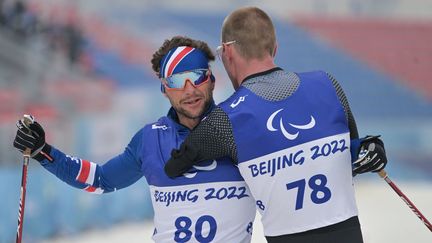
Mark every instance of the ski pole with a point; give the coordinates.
(383, 174)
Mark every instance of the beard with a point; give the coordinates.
(195, 114)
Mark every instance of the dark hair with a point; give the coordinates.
(177, 41)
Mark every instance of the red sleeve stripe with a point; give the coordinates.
(90, 189)
(47, 156)
(93, 189)
(84, 171)
(92, 172)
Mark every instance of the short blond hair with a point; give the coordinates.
(253, 31)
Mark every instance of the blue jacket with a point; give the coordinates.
(213, 193)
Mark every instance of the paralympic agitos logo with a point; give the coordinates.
(209, 167)
(286, 134)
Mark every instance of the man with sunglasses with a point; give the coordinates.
(290, 134)
(210, 202)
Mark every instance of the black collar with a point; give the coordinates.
(262, 73)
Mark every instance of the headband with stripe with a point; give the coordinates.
(181, 59)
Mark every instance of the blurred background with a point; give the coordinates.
(82, 68)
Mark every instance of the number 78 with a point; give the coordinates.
(317, 183)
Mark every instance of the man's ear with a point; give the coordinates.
(212, 85)
(162, 89)
(164, 94)
(228, 51)
(275, 50)
(212, 77)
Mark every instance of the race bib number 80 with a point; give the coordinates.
(184, 224)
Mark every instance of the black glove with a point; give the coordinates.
(371, 157)
(181, 160)
(31, 135)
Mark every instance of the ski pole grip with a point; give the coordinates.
(27, 120)
(382, 173)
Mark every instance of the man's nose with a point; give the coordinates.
(189, 86)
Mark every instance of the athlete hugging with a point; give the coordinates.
(209, 202)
